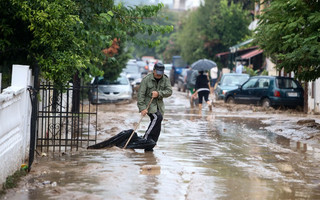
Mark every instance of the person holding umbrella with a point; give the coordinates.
(202, 89)
(202, 83)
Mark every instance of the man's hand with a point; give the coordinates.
(144, 112)
(155, 94)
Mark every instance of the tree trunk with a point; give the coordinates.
(75, 106)
(76, 94)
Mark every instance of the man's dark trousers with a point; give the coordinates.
(154, 128)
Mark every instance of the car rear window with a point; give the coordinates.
(131, 68)
(285, 83)
(122, 80)
(233, 80)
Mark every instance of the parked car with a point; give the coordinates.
(143, 68)
(132, 70)
(268, 91)
(151, 64)
(182, 84)
(229, 82)
(167, 69)
(106, 91)
(179, 64)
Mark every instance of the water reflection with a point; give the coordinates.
(200, 157)
(302, 147)
(285, 142)
(249, 162)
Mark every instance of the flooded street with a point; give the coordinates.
(199, 155)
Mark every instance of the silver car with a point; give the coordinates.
(132, 70)
(229, 81)
(106, 91)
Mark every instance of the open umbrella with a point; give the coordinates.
(203, 65)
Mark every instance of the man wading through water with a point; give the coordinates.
(155, 85)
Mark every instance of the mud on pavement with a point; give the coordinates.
(191, 162)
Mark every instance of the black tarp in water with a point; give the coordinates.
(121, 139)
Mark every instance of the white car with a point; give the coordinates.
(106, 91)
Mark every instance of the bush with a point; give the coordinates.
(252, 72)
(6, 78)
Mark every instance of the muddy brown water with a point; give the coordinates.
(201, 155)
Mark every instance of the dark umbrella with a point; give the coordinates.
(203, 65)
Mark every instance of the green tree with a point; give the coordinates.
(166, 18)
(50, 30)
(246, 4)
(289, 31)
(67, 36)
(211, 29)
(190, 37)
(168, 48)
(113, 66)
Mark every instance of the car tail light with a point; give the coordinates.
(276, 93)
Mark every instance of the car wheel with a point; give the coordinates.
(299, 108)
(266, 103)
(230, 100)
(94, 103)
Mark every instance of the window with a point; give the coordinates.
(233, 80)
(131, 68)
(227, 80)
(122, 80)
(250, 84)
(286, 83)
(263, 83)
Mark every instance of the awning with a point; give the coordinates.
(222, 54)
(238, 52)
(251, 54)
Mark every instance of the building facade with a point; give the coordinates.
(186, 4)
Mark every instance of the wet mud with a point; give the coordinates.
(230, 153)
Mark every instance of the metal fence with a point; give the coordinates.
(65, 120)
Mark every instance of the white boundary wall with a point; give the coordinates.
(15, 116)
(314, 103)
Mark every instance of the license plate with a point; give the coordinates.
(292, 94)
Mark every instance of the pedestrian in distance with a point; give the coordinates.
(203, 89)
(172, 76)
(213, 77)
(191, 83)
(156, 86)
(239, 68)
